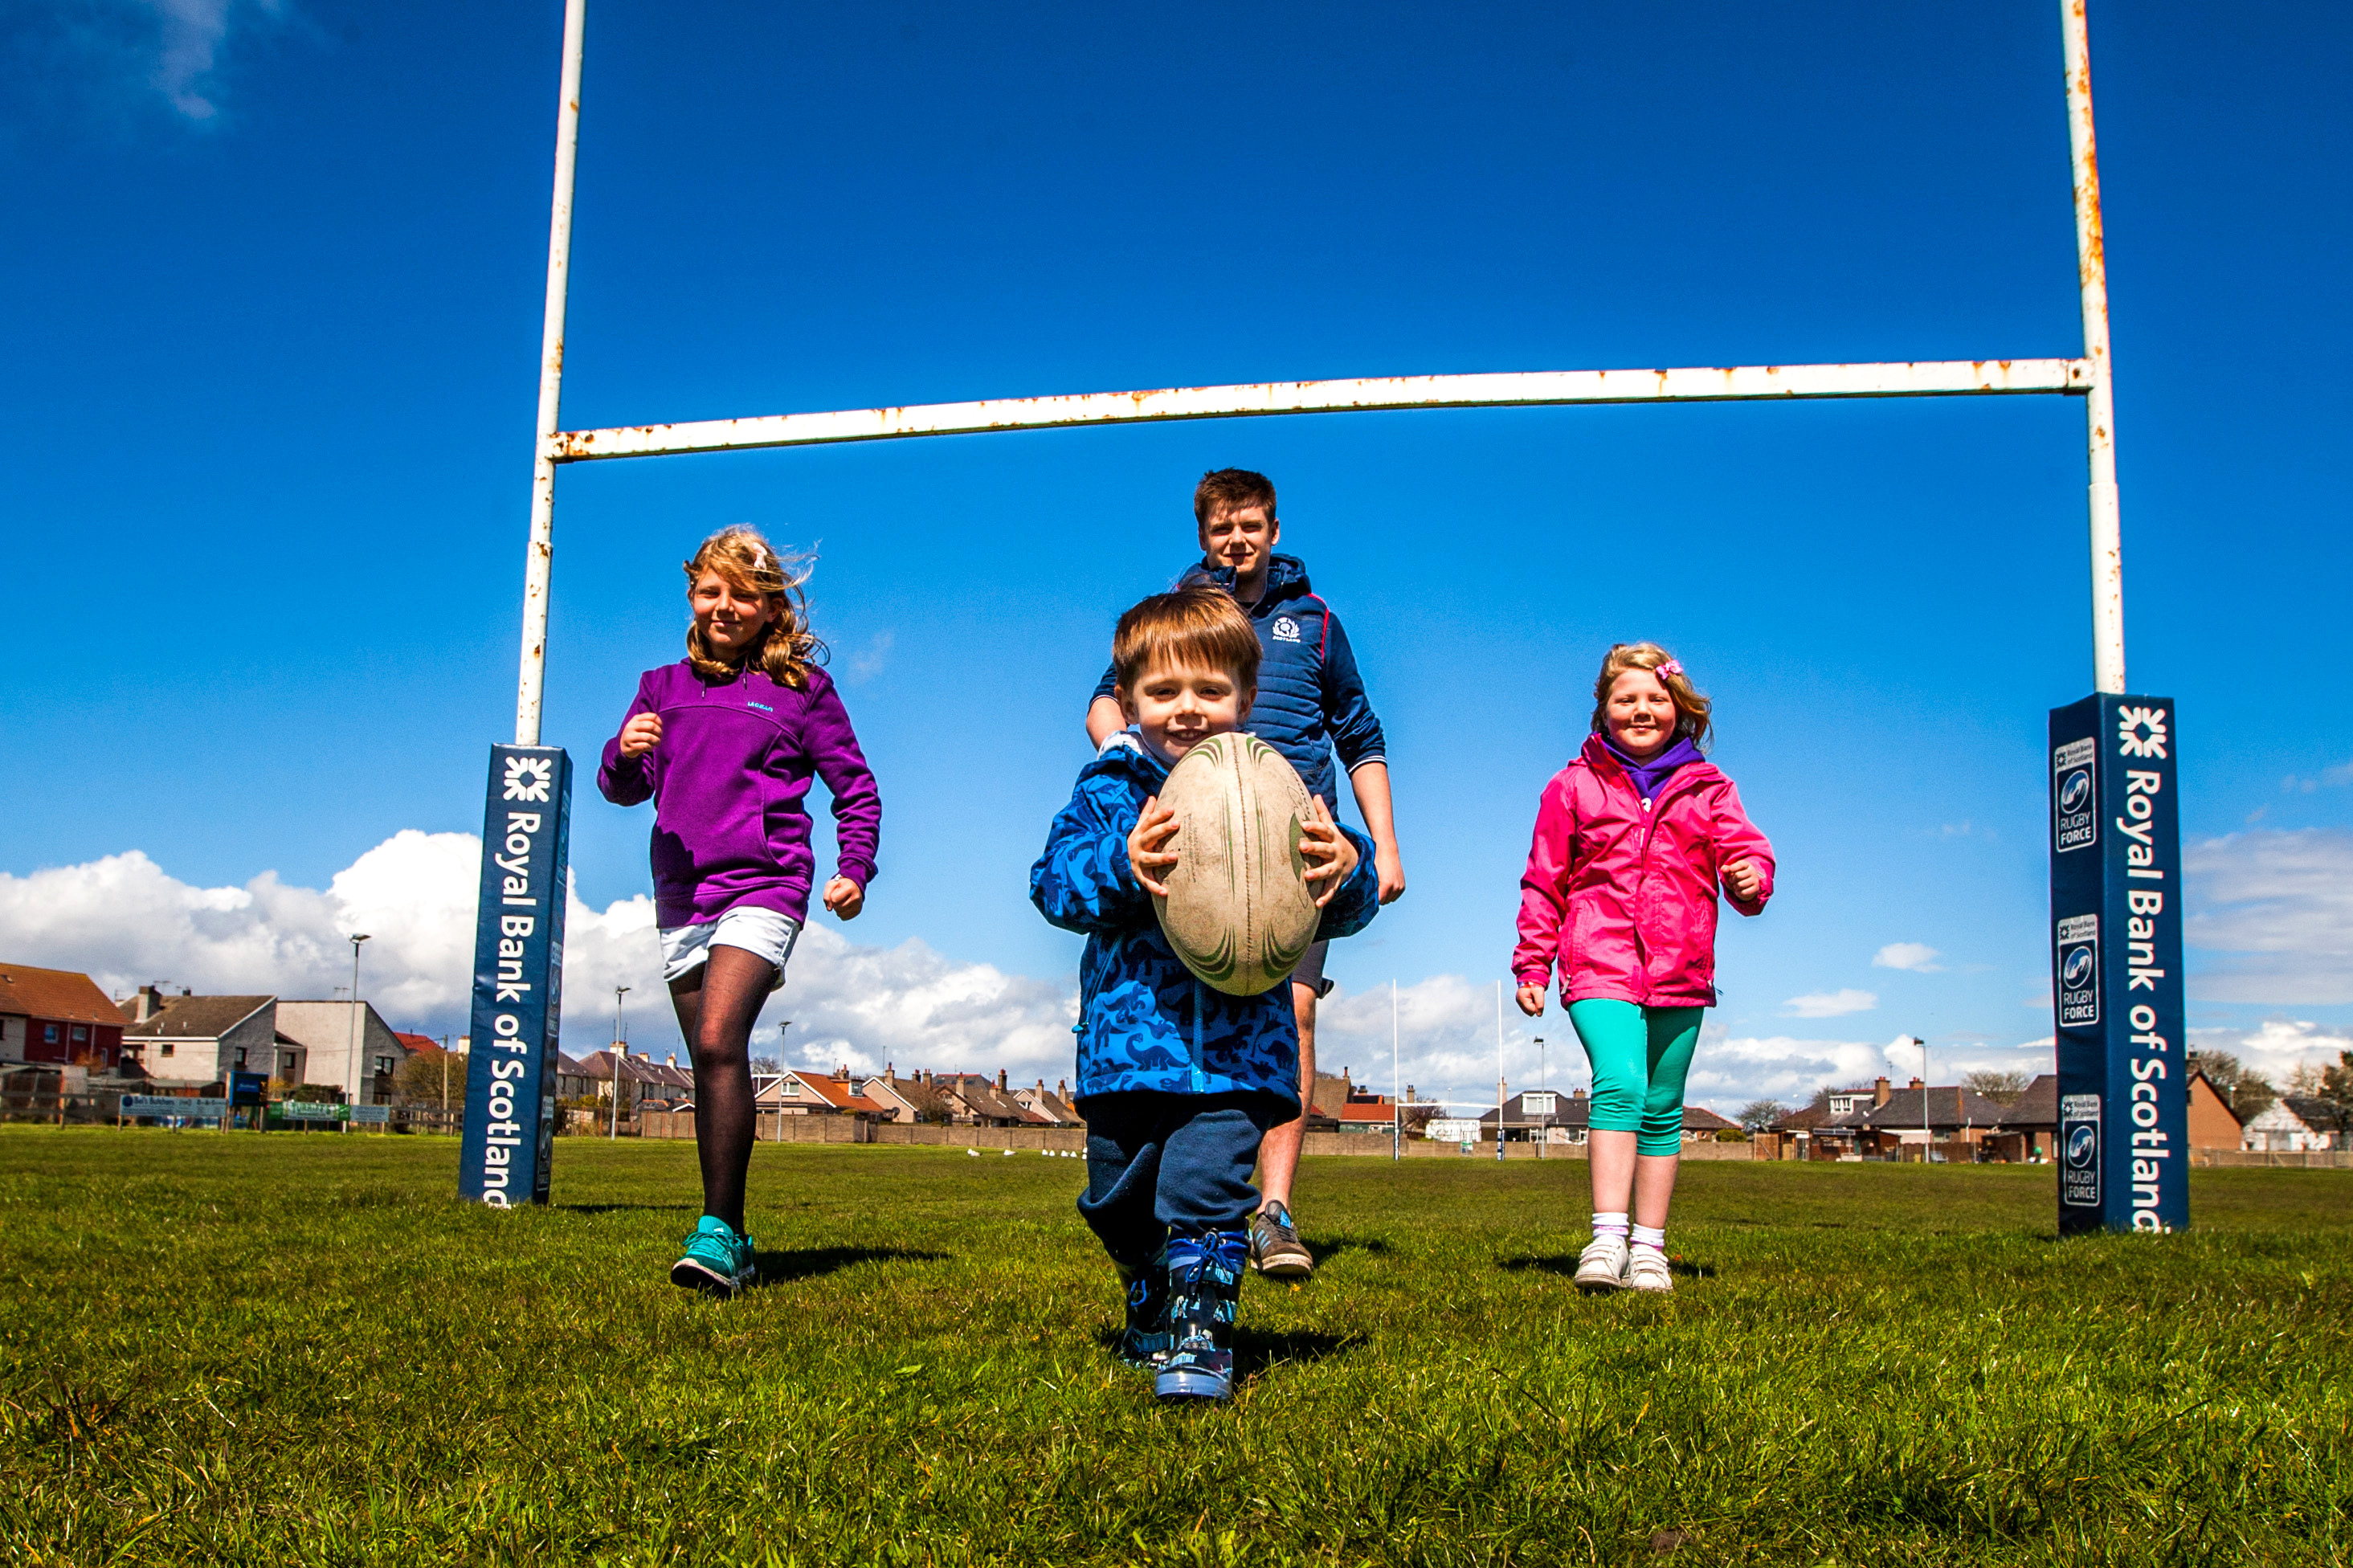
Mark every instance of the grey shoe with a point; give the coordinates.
(1275, 1249)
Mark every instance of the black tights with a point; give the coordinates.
(717, 1005)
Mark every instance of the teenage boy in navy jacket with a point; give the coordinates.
(1311, 702)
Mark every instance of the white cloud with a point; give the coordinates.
(2279, 905)
(1728, 1073)
(191, 31)
(1830, 1003)
(1917, 957)
(126, 921)
(170, 48)
(871, 660)
(2278, 1046)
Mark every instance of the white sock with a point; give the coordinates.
(1654, 1237)
(1609, 1225)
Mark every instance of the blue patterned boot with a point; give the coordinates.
(1205, 1286)
(1144, 1341)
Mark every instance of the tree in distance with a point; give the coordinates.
(420, 1079)
(1759, 1114)
(2246, 1091)
(2002, 1088)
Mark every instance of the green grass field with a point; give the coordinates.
(248, 1349)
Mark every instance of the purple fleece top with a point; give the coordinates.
(729, 778)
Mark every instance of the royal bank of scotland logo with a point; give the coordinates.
(528, 778)
(2141, 731)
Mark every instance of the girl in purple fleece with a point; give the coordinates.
(726, 741)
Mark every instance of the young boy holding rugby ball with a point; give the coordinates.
(1179, 1082)
(1311, 704)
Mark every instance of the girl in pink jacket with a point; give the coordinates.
(1632, 840)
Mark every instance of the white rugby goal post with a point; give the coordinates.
(2085, 375)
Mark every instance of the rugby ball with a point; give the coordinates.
(1239, 912)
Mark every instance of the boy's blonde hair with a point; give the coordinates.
(748, 563)
(1692, 721)
(1200, 626)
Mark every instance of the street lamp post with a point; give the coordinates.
(783, 1029)
(618, 1051)
(1499, 1072)
(1927, 1138)
(1542, 1134)
(354, 1074)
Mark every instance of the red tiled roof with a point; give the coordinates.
(417, 1042)
(1367, 1110)
(837, 1094)
(55, 994)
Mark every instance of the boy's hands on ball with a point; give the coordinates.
(1330, 854)
(1742, 880)
(1148, 855)
(638, 736)
(844, 898)
(1530, 1000)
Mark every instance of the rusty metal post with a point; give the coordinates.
(2099, 400)
(533, 679)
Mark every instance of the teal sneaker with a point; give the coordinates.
(715, 1260)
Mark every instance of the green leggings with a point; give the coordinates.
(1640, 1057)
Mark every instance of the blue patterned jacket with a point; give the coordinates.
(1144, 1021)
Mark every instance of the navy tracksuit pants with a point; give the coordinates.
(1158, 1164)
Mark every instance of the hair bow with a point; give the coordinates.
(1672, 668)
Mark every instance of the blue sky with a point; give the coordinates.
(276, 276)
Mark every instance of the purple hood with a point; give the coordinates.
(729, 779)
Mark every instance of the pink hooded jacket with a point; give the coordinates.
(1622, 896)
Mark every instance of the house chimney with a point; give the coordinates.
(147, 1004)
(841, 1073)
(1880, 1092)
(1000, 1081)
(1914, 1084)
(673, 1059)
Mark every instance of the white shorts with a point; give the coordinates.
(686, 949)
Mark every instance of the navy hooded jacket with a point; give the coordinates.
(1310, 696)
(1145, 1023)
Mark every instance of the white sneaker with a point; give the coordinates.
(1647, 1270)
(1599, 1266)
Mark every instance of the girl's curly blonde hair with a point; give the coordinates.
(748, 563)
(1692, 721)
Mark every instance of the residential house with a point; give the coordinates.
(57, 1016)
(2212, 1123)
(344, 1046)
(826, 1094)
(194, 1042)
(976, 1101)
(575, 1081)
(1915, 1116)
(645, 1083)
(907, 1100)
(2028, 1133)
(1051, 1107)
(2296, 1125)
(1533, 1113)
(1702, 1125)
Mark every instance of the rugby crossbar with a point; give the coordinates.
(2087, 377)
(1536, 389)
